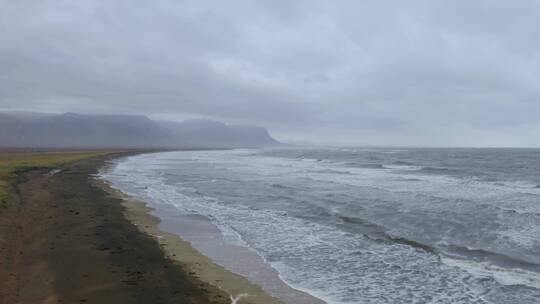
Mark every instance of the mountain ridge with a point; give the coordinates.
(72, 130)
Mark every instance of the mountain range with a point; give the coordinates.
(71, 130)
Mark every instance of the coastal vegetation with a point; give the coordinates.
(16, 161)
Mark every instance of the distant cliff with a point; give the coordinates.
(209, 133)
(70, 130)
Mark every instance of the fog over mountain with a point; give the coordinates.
(209, 133)
(421, 73)
(70, 130)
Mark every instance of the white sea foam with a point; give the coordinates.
(505, 276)
(338, 266)
(402, 167)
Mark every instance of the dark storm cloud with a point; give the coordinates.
(381, 72)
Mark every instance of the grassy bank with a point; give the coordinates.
(13, 162)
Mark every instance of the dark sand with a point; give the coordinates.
(63, 239)
(199, 265)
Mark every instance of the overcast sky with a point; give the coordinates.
(435, 73)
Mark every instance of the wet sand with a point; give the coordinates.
(245, 271)
(198, 265)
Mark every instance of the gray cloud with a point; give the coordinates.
(379, 72)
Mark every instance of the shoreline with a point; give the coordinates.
(194, 241)
(240, 289)
(94, 244)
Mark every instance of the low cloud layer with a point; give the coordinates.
(451, 73)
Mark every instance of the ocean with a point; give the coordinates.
(364, 225)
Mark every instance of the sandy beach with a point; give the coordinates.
(66, 240)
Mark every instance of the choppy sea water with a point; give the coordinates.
(376, 225)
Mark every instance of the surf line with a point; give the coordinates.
(234, 300)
